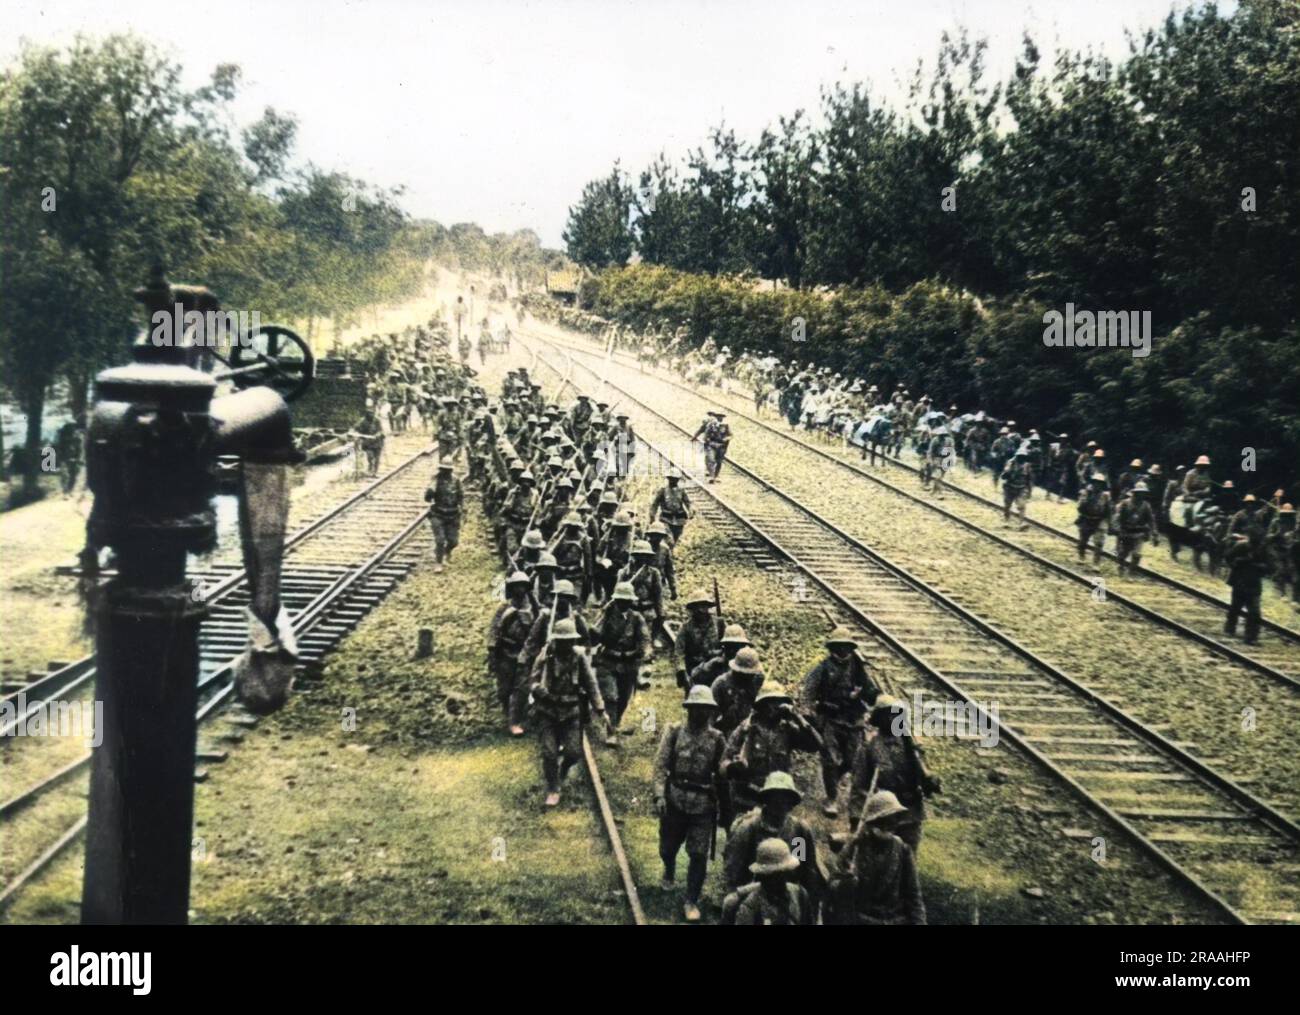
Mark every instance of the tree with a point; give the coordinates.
(599, 232)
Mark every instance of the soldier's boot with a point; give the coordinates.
(696, 872)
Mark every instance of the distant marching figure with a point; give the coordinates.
(446, 503)
(717, 437)
(672, 505)
(370, 436)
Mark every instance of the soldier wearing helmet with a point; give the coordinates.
(732, 641)
(771, 899)
(662, 544)
(1017, 486)
(890, 759)
(875, 882)
(773, 817)
(1136, 523)
(613, 552)
(517, 514)
(672, 505)
(697, 637)
(1197, 484)
(643, 575)
(1093, 517)
(623, 645)
(506, 636)
(837, 693)
(1249, 520)
(446, 501)
(764, 743)
(563, 682)
(563, 602)
(686, 775)
(572, 552)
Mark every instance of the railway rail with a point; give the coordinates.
(1188, 611)
(1198, 824)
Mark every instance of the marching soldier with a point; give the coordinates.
(369, 433)
(1197, 484)
(734, 692)
(733, 640)
(506, 637)
(687, 770)
(647, 583)
(771, 899)
(449, 435)
(717, 438)
(564, 605)
(562, 681)
(875, 883)
(697, 638)
(1280, 545)
(1136, 524)
(1249, 520)
(1246, 576)
(446, 504)
(773, 817)
(1017, 484)
(662, 544)
(69, 448)
(573, 555)
(1093, 518)
(517, 514)
(672, 505)
(763, 744)
(623, 439)
(837, 693)
(890, 759)
(622, 645)
(613, 552)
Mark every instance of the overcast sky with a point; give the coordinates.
(497, 111)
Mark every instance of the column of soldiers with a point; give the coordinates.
(582, 616)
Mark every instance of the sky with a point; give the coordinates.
(498, 111)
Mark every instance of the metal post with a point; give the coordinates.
(149, 467)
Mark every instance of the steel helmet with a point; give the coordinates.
(746, 661)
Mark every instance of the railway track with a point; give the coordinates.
(337, 569)
(1177, 606)
(1230, 847)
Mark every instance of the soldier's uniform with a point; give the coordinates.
(875, 882)
(516, 512)
(1246, 576)
(686, 773)
(537, 634)
(836, 694)
(1017, 484)
(717, 438)
(895, 763)
(647, 583)
(1280, 545)
(506, 637)
(662, 544)
(1136, 524)
(573, 556)
(449, 437)
(763, 744)
(672, 504)
(697, 638)
(560, 685)
(753, 828)
(1093, 517)
(371, 438)
(446, 503)
(622, 644)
